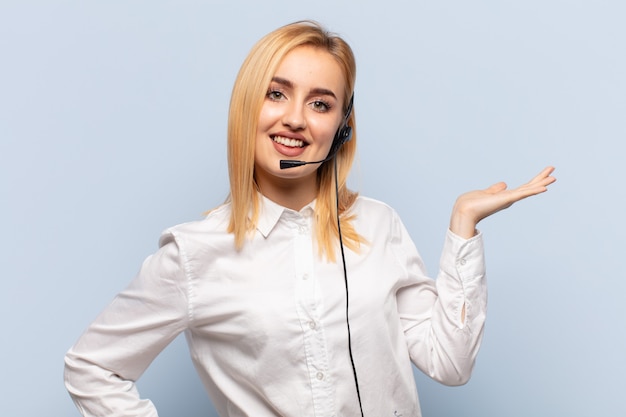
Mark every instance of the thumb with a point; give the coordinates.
(496, 188)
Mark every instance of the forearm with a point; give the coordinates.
(99, 392)
(446, 345)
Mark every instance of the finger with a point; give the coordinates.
(538, 184)
(496, 188)
(543, 175)
(528, 190)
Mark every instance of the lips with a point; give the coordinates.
(292, 143)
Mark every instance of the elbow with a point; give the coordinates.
(453, 376)
(456, 380)
(71, 377)
(453, 367)
(71, 372)
(79, 376)
(452, 363)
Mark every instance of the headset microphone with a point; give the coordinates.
(343, 135)
(292, 163)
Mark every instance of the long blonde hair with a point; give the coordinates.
(247, 98)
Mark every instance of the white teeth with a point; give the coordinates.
(293, 143)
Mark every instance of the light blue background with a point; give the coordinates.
(112, 127)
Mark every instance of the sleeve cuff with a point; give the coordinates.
(466, 256)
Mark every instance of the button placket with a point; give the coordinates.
(308, 303)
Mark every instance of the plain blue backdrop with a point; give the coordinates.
(112, 128)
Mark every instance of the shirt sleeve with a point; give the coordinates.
(443, 319)
(102, 367)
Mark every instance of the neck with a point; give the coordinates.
(291, 194)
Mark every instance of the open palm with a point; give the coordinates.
(472, 207)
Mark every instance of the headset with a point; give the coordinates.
(343, 135)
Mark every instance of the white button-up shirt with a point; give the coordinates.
(266, 325)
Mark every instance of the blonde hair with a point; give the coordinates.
(247, 99)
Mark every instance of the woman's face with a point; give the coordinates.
(300, 115)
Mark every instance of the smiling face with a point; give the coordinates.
(299, 117)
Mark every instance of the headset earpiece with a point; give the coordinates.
(344, 133)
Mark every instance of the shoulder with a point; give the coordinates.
(373, 216)
(372, 207)
(203, 231)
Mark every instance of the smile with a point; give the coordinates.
(292, 143)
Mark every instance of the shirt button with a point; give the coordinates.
(462, 261)
(319, 376)
(305, 276)
(312, 325)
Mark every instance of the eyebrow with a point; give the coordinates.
(318, 90)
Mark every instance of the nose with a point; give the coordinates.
(294, 116)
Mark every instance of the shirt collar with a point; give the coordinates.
(270, 213)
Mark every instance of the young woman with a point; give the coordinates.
(288, 312)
